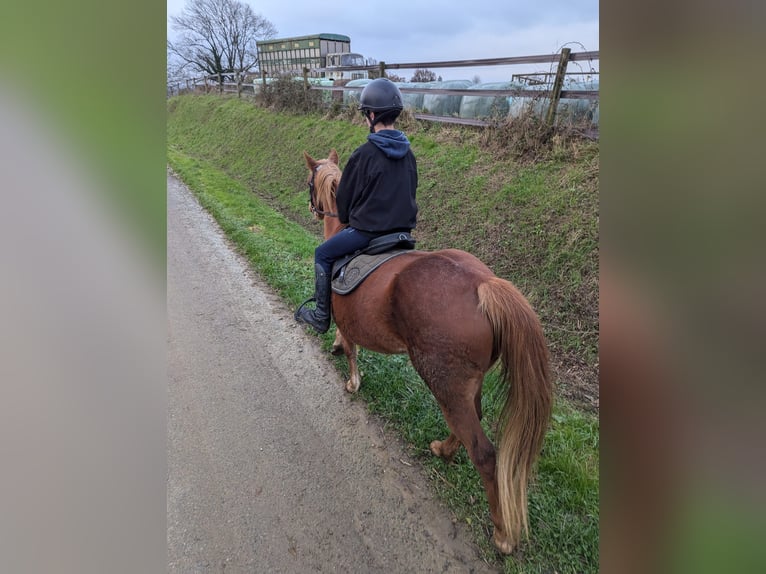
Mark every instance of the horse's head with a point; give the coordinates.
(323, 179)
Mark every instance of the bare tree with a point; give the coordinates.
(217, 38)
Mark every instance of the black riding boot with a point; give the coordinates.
(319, 318)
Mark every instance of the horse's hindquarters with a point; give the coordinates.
(420, 301)
(436, 304)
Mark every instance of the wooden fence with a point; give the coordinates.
(553, 94)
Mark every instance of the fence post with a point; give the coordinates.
(558, 83)
(337, 95)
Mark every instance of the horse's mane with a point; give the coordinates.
(326, 179)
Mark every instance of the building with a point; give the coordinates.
(289, 56)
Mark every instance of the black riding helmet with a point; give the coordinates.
(382, 97)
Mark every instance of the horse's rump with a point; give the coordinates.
(421, 302)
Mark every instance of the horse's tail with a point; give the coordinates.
(521, 347)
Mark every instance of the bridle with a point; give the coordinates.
(312, 195)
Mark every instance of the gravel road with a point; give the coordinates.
(272, 467)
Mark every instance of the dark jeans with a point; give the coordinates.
(340, 244)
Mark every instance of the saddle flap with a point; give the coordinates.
(349, 274)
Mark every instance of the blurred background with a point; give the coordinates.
(82, 294)
(682, 287)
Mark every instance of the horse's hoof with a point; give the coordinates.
(502, 543)
(436, 447)
(350, 387)
(337, 350)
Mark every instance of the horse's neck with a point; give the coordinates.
(332, 226)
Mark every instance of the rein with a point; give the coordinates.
(312, 195)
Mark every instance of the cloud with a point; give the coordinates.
(406, 31)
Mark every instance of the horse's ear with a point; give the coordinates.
(333, 156)
(310, 161)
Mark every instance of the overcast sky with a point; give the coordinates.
(398, 31)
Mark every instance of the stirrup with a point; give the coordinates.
(298, 310)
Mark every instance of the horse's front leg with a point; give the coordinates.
(337, 345)
(355, 379)
(342, 346)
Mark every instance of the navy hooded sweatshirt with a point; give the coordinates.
(377, 191)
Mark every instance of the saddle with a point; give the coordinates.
(349, 271)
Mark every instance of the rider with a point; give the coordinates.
(376, 194)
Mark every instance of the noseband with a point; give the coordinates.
(312, 195)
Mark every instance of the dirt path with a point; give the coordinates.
(271, 466)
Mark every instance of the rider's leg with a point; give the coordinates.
(344, 242)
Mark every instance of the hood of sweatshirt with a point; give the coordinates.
(393, 143)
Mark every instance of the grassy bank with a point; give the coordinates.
(245, 165)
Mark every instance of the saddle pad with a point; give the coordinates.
(354, 272)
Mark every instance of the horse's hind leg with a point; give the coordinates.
(463, 413)
(466, 426)
(446, 449)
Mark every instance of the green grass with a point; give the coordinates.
(245, 165)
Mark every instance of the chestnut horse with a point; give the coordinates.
(455, 319)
